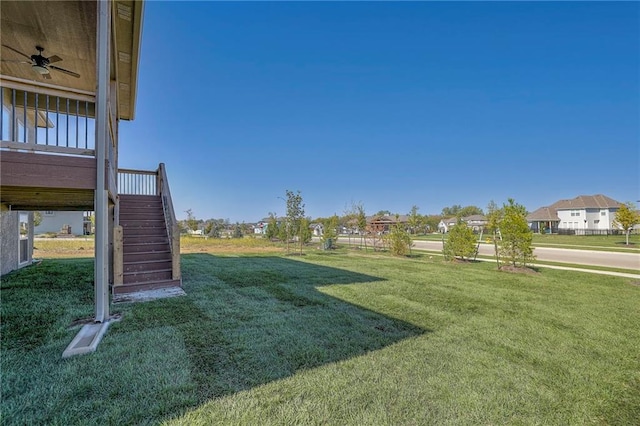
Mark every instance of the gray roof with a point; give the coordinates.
(543, 214)
(597, 201)
(550, 213)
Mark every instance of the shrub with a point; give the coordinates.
(461, 242)
(399, 241)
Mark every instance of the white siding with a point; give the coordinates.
(57, 220)
(566, 220)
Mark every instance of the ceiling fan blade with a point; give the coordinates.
(54, 58)
(71, 73)
(15, 61)
(46, 76)
(17, 51)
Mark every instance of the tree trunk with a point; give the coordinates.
(495, 247)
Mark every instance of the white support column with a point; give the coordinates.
(102, 141)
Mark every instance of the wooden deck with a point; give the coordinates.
(32, 181)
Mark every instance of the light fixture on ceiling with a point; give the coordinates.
(40, 69)
(40, 64)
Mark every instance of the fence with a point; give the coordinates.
(590, 232)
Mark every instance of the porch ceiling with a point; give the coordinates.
(68, 29)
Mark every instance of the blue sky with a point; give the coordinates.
(391, 104)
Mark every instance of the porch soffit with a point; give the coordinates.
(68, 29)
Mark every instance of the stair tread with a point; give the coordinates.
(151, 252)
(140, 262)
(149, 282)
(133, 287)
(147, 272)
(144, 244)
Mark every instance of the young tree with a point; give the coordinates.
(214, 228)
(283, 232)
(516, 243)
(329, 234)
(626, 218)
(304, 234)
(494, 216)
(295, 214)
(432, 221)
(237, 231)
(272, 227)
(192, 222)
(399, 240)
(361, 222)
(415, 219)
(461, 242)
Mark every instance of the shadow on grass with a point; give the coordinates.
(247, 321)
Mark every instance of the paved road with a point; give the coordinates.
(548, 254)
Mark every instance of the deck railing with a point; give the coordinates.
(170, 218)
(47, 122)
(137, 182)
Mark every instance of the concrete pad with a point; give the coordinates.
(87, 340)
(148, 295)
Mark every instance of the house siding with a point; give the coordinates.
(590, 218)
(9, 241)
(58, 219)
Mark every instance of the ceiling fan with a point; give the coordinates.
(40, 64)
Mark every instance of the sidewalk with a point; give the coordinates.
(570, 268)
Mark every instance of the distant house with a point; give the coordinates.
(317, 229)
(477, 222)
(384, 222)
(445, 224)
(260, 228)
(585, 214)
(17, 240)
(72, 222)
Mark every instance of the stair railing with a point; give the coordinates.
(162, 186)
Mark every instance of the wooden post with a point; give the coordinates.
(118, 257)
(175, 253)
(159, 174)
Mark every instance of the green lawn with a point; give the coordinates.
(329, 338)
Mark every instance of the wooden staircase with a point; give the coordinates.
(146, 250)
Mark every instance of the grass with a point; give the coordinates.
(63, 248)
(340, 337)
